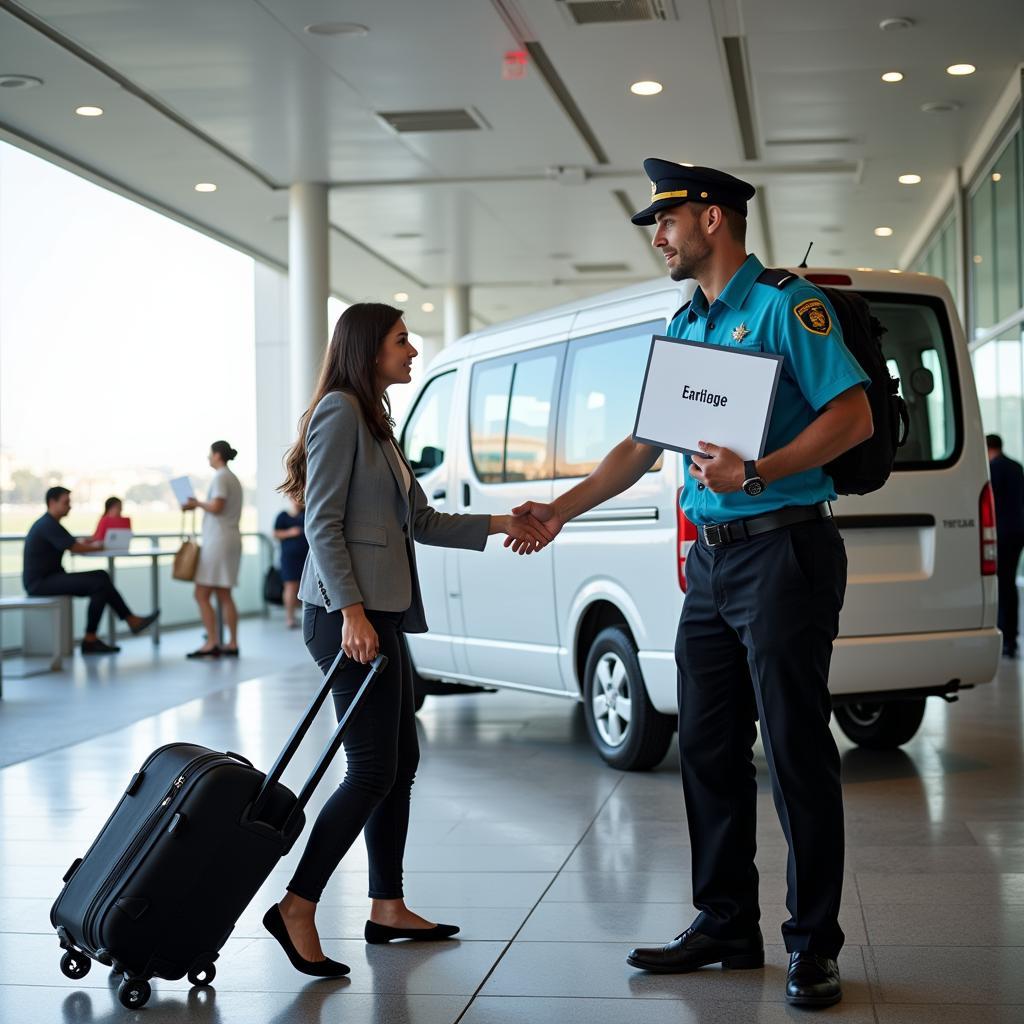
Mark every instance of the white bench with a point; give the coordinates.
(59, 612)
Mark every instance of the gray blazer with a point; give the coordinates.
(361, 521)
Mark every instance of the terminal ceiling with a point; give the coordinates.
(529, 207)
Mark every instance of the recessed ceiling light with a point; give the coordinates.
(893, 270)
(910, 179)
(892, 76)
(883, 232)
(646, 88)
(977, 259)
(940, 107)
(206, 186)
(401, 296)
(89, 111)
(337, 28)
(997, 176)
(865, 269)
(895, 24)
(961, 69)
(427, 307)
(12, 82)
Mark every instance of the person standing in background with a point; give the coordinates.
(1007, 477)
(289, 529)
(220, 553)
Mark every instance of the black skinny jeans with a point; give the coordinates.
(382, 750)
(96, 585)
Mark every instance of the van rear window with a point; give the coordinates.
(918, 347)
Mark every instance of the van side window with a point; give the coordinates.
(510, 416)
(603, 378)
(918, 349)
(528, 449)
(425, 436)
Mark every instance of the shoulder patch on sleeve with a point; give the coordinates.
(814, 317)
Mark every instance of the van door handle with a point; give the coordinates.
(440, 494)
(465, 495)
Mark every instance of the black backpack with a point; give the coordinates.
(866, 466)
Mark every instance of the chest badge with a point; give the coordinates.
(739, 333)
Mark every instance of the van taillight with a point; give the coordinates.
(686, 534)
(829, 279)
(987, 530)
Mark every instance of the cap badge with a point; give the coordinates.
(739, 333)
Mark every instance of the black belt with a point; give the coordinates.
(716, 535)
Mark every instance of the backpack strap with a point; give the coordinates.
(682, 309)
(775, 278)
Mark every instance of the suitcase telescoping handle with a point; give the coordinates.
(299, 733)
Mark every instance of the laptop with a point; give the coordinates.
(117, 540)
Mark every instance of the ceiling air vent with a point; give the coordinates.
(601, 268)
(611, 12)
(431, 120)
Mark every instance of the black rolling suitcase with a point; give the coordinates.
(192, 839)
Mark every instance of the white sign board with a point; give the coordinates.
(695, 392)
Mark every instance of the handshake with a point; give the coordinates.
(531, 527)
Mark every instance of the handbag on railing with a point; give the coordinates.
(186, 560)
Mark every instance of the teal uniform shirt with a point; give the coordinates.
(797, 322)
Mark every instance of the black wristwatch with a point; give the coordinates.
(753, 485)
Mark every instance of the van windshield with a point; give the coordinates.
(918, 346)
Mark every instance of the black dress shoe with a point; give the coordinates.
(813, 980)
(147, 621)
(213, 652)
(693, 949)
(98, 647)
(377, 934)
(326, 968)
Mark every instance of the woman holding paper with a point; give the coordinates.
(220, 553)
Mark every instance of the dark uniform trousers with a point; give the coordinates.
(754, 643)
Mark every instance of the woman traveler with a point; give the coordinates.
(289, 530)
(220, 553)
(359, 585)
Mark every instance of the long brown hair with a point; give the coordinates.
(348, 366)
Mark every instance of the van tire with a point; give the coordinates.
(613, 670)
(881, 726)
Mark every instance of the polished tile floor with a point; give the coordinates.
(552, 863)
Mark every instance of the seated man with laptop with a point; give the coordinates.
(44, 576)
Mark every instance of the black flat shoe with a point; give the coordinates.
(213, 652)
(812, 980)
(147, 621)
(325, 968)
(229, 652)
(693, 949)
(98, 647)
(377, 934)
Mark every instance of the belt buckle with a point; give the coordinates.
(714, 535)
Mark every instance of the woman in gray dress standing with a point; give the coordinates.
(220, 553)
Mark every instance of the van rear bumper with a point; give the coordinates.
(872, 664)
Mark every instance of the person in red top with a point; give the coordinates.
(112, 517)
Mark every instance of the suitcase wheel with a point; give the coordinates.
(134, 992)
(74, 964)
(203, 975)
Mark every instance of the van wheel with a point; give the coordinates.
(628, 733)
(881, 726)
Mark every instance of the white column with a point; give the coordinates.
(275, 425)
(307, 288)
(456, 312)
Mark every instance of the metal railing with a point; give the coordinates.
(138, 583)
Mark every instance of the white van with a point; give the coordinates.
(524, 410)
